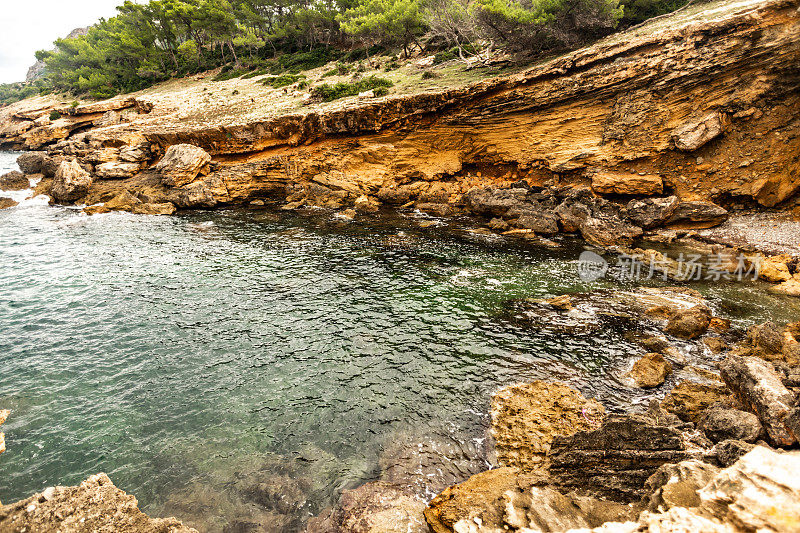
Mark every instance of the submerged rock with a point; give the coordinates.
(650, 371)
(526, 418)
(94, 505)
(377, 507)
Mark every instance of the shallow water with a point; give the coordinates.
(173, 352)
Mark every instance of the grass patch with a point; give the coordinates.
(327, 92)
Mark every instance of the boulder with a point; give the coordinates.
(476, 498)
(694, 134)
(689, 323)
(182, 164)
(526, 418)
(652, 212)
(727, 452)
(571, 216)
(688, 399)
(759, 388)
(606, 232)
(31, 162)
(70, 183)
(719, 424)
(366, 204)
(766, 340)
(50, 165)
(117, 170)
(650, 371)
(607, 182)
(775, 269)
(376, 507)
(615, 461)
(676, 485)
(697, 215)
(494, 202)
(760, 492)
(538, 220)
(14, 181)
(94, 505)
(5, 203)
(138, 153)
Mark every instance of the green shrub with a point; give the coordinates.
(229, 73)
(282, 81)
(327, 92)
(380, 91)
(429, 75)
(55, 115)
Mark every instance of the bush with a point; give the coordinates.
(282, 81)
(327, 92)
(55, 115)
(429, 75)
(380, 91)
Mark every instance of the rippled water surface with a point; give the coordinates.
(171, 352)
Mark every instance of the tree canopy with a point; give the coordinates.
(154, 41)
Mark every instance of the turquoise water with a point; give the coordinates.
(175, 352)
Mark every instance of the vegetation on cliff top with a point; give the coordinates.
(148, 43)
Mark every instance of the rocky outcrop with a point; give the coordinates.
(720, 424)
(627, 183)
(181, 164)
(527, 417)
(14, 181)
(614, 461)
(70, 183)
(670, 106)
(94, 505)
(5, 203)
(757, 386)
(758, 493)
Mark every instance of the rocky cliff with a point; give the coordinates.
(700, 105)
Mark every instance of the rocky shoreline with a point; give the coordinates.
(656, 138)
(714, 455)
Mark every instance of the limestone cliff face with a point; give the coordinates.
(702, 105)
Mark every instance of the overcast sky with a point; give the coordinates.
(30, 25)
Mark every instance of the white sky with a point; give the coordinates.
(30, 25)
